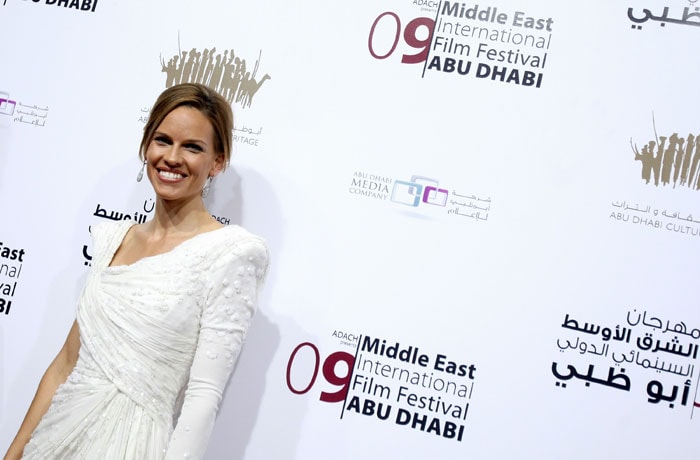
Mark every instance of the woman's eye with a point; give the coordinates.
(161, 140)
(194, 148)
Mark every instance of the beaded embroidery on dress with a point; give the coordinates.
(165, 324)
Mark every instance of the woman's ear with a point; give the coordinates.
(218, 165)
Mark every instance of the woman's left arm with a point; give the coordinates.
(226, 316)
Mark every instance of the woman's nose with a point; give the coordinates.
(172, 156)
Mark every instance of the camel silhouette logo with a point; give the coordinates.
(671, 160)
(227, 72)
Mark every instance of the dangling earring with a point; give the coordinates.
(143, 168)
(207, 187)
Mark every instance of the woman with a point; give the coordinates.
(164, 310)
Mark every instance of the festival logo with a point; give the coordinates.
(420, 192)
(661, 355)
(22, 112)
(387, 382)
(77, 5)
(479, 42)
(689, 17)
(11, 260)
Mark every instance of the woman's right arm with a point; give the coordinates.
(55, 375)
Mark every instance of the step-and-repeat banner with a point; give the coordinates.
(483, 216)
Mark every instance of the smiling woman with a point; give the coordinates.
(164, 311)
(181, 157)
(214, 107)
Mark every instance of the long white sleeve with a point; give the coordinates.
(226, 315)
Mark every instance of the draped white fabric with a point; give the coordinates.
(159, 338)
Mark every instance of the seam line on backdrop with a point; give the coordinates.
(352, 372)
(695, 398)
(432, 35)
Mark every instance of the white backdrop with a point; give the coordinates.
(502, 229)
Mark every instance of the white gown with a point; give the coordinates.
(158, 341)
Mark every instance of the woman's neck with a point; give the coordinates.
(177, 218)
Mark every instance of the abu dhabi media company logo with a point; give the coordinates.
(422, 193)
(19, 111)
(7, 105)
(419, 189)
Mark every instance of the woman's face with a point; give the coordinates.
(181, 155)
